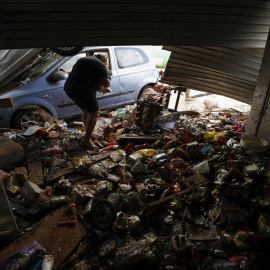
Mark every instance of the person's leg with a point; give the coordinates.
(89, 127)
(84, 116)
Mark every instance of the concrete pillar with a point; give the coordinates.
(259, 119)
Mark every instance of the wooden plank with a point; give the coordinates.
(258, 122)
(58, 241)
(6, 102)
(192, 181)
(11, 152)
(177, 100)
(61, 172)
(34, 166)
(139, 138)
(195, 181)
(35, 172)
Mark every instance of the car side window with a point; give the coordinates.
(130, 57)
(68, 65)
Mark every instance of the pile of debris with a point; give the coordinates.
(185, 191)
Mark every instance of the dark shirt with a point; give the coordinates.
(85, 74)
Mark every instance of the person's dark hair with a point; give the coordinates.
(102, 57)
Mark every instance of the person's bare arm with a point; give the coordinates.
(105, 83)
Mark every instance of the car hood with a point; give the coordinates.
(21, 91)
(12, 60)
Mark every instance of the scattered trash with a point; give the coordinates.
(180, 190)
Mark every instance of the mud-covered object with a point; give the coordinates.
(98, 170)
(82, 193)
(25, 257)
(63, 186)
(103, 215)
(117, 156)
(107, 248)
(133, 222)
(137, 167)
(114, 178)
(117, 200)
(224, 265)
(124, 188)
(133, 202)
(198, 233)
(179, 243)
(134, 255)
(120, 223)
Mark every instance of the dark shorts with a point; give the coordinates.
(86, 100)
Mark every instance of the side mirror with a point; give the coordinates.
(59, 76)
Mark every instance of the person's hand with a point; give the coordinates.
(107, 90)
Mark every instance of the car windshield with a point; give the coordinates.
(31, 70)
(39, 66)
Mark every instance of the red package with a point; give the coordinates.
(42, 132)
(118, 125)
(128, 148)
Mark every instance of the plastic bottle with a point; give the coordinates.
(110, 147)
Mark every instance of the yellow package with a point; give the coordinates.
(4, 175)
(171, 143)
(208, 136)
(79, 161)
(146, 152)
(220, 135)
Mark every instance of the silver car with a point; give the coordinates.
(36, 88)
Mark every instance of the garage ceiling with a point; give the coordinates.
(217, 46)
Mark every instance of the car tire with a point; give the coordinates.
(144, 90)
(67, 51)
(22, 117)
(103, 215)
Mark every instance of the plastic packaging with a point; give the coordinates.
(133, 222)
(98, 170)
(107, 248)
(54, 202)
(170, 144)
(69, 215)
(110, 147)
(151, 95)
(129, 148)
(203, 167)
(25, 257)
(137, 167)
(117, 200)
(146, 152)
(179, 244)
(141, 146)
(121, 113)
(133, 202)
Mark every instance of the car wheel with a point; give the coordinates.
(144, 90)
(67, 51)
(103, 215)
(23, 118)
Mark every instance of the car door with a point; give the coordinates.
(111, 100)
(133, 69)
(64, 105)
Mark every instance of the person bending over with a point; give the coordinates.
(88, 76)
